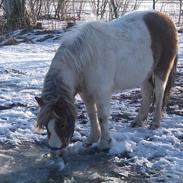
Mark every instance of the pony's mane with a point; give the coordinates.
(54, 87)
(78, 46)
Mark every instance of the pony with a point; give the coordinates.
(98, 58)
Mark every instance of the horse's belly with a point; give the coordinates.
(128, 83)
(133, 73)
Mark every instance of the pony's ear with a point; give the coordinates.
(39, 101)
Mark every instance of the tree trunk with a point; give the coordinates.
(154, 4)
(16, 14)
(114, 8)
(180, 11)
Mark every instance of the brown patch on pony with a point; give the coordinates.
(163, 42)
(64, 114)
(57, 108)
(170, 83)
(164, 45)
(61, 128)
(62, 106)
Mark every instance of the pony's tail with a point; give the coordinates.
(170, 83)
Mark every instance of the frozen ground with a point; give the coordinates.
(137, 155)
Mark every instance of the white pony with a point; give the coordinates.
(98, 58)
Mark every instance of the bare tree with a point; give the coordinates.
(79, 8)
(137, 4)
(99, 7)
(1, 3)
(154, 4)
(16, 14)
(114, 7)
(118, 8)
(180, 10)
(34, 9)
(61, 9)
(124, 7)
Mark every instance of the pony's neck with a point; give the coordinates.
(59, 83)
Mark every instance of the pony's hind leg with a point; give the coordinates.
(94, 125)
(159, 94)
(147, 95)
(103, 109)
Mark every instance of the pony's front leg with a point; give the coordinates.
(94, 125)
(103, 108)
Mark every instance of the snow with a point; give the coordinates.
(157, 153)
(58, 163)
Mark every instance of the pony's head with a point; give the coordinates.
(58, 117)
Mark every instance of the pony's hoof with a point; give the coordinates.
(85, 150)
(104, 146)
(154, 126)
(87, 145)
(106, 150)
(98, 150)
(136, 125)
(89, 150)
(90, 141)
